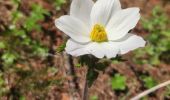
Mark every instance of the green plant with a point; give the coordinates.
(3, 89)
(18, 46)
(61, 47)
(158, 38)
(167, 93)
(22, 98)
(9, 58)
(118, 82)
(58, 3)
(17, 36)
(36, 15)
(94, 97)
(149, 82)
(2, 45)
(78, 65)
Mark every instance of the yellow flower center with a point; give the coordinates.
(98, 34)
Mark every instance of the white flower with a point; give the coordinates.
(100, 28)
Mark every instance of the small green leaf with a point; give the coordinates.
(52, 70)
(39, 10)
(61, 47)
(118, 82)
(2, 45)
(39, 50)
(58, 3)
(78, 65)
(158, 38)
(16, 1)
(19, 32)
(31, 23)
(17, 15)
(22, 98)
(149, 82)
(2, 81)
(167, 93)
(94, 97)
(8, 58)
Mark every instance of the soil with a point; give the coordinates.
(67, 85)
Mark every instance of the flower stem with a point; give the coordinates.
(85, 90)
(91, 74)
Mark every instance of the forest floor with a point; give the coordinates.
(50, 78)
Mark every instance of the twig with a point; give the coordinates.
(150, 90)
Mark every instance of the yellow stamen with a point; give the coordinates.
(98, 34)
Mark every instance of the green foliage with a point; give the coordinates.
(36, 15)
(167, 93)
(78, 65)
(94, 97)
(18, 35)
(18, 46)
(117, 60)
(58, 3)
(2, 45)
(22, 98)
(95, 65)
(144, 98)
(1, 80)
(16, 15)
(61, 48)
(2, 85)
(158, 38)
(9, 58)
(52, 70)
(38, 49)
(118, 82)
(149, 82)
(16, 1)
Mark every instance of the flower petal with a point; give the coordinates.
(75, 49)
(116, 6)
(73, 28)
(111, 49)
(81, 9)
(121, 22)
(101, 12)
(108, 49)
(95, 49)
(99, 50)
(131, 42)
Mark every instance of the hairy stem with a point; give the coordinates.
(85, 90)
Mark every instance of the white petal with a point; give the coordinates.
(116, 7)
(101, 12)
(111, 49)
(108, 49)
(131, 42)
(75, 49)
(121, 22)
(73, 28)
(95, 49)
(105, 49)
(99, 50)
(81, 9)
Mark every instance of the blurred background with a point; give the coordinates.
(31, 68)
